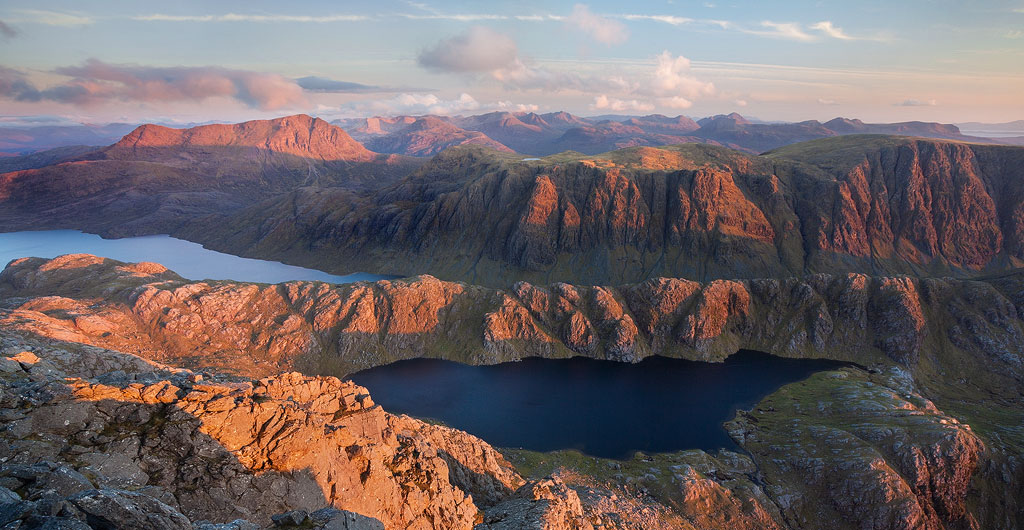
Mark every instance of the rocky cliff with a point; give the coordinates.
(88, 428)
(864, 204)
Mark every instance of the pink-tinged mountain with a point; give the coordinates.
(155, 178)
(418, 136)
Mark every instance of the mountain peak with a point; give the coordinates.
(299, 135)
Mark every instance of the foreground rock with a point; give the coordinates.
(90, 433)
(145, 442)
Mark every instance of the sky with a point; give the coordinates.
(198, 61)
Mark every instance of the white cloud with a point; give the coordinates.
(417, 104)
(420, 104)
(667, 19)
(242, 17)
(603, 102)
(471, 17)
(52, 18)
(827, 28)
(824, 101)
(1014, 34)
(600, 28)
(740, 102)
(478, 49)
(675, 102)
(917, 103)
(784, 30)
(672, 78)
(518, 107)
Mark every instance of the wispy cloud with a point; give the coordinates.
(6, 31)
(667, 19)
(829, 102)
(917, 103)
(827, 28)
(598, 27)
(53, 18)
(242, 17)
(784, 30)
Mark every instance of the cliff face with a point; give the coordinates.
(924, 325)
(870, 205)
(189, 446)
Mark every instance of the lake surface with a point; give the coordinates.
(601, 408)
(186, 258)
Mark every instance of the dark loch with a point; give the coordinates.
(601, 408)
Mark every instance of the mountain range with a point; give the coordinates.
(897, 254)
(301, 190)
(545, 134)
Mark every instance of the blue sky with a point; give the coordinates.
(196, 61)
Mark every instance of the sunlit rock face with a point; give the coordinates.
(854, 204)
(259, 329)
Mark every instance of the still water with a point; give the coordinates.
(188, 259)
(601, 408)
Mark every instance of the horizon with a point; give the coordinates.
(929, 61)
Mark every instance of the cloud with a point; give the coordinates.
(6, 31)
(97, 82)
(478, 49)
(604, 102)
(469, 17)
(672, 78)
(601, 29)
(242, 17)
(740, 102)
(53, 18)
(791, 30)
(667, 19)
(322, 84)
(518, 107)
(1014, 34)
(827, 28)
(831, 102)
(785, 30)
(522, 76)
(412, 104)
(917, 103)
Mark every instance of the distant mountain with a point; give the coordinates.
(28, 139)
(423, 136)
(995, 130)
(298, 135)
(156, 178)
(545, 134)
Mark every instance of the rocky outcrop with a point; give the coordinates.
(864, 204)
(133, 445)
(89, 432)
(260, 330)
(875, 451)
